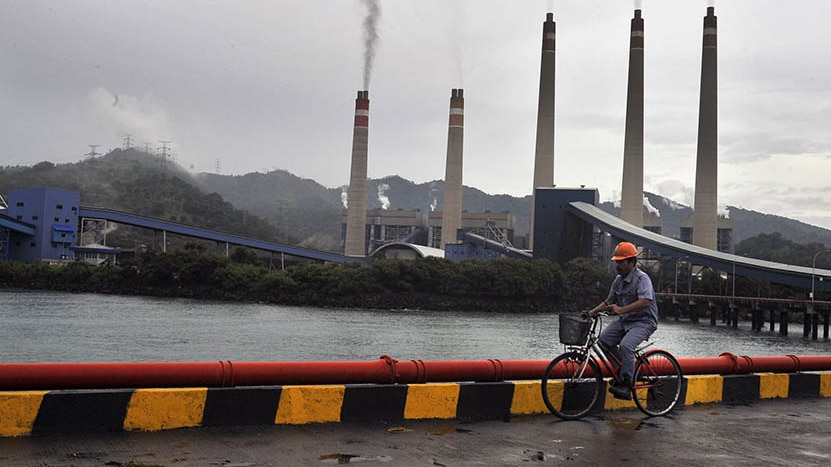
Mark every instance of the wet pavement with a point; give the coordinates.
(791, 432)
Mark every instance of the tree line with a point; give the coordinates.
(508, 285)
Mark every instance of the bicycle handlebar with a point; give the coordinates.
(585, 314)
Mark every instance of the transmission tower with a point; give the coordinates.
(128, 141)
(92, 152)
(217, 166)
(163, 154)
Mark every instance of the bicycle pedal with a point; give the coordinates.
(621, 393)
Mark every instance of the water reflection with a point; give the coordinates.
(49, 326)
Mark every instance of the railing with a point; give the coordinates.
(747, 302)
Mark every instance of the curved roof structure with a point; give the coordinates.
(780, 273)
(401, 250)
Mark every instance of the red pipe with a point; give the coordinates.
(385, 370)
(17, 376)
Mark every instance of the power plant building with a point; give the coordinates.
(724, 233)
(425, 228)
(366, 230)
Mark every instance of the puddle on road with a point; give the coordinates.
(339, 458)
(631, 423)
(447, 429)
(399, 429)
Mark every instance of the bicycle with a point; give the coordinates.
(573, 381)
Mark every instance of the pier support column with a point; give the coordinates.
(694, 312)
(814, 326)
(825, 326)
(758, 317)
(713, 310)
(783, 322)
(733, 315)
(772, 319)
(806, 324)
(670, 308)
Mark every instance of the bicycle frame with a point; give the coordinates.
(593, 348)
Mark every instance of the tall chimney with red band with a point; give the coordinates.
(451, 219)
(631, 202)
(355, 243)
(705, 210)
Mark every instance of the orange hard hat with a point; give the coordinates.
(624, 250)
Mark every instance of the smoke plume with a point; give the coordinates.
(145, 118)
(382, 195)
(370, 37)
(344, 196)
(457, 26)
(434, 196)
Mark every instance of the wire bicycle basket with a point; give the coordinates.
(574, 330)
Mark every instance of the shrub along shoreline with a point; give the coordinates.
(507, 285)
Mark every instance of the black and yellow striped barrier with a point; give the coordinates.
(74, 411)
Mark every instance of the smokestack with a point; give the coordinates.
(705, 210)
(451, 219)
(631, 202)
(544, 152)
(355, 244)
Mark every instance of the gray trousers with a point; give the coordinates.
(622, 339)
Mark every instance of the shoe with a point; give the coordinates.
(621, 392)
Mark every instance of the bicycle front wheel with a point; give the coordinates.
(658, 383)
(571, 385)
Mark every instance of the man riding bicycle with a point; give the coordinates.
(633, 298)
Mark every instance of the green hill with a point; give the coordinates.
(135, 182)
(282, 207)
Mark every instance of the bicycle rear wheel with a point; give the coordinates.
(658, 383)
(571, 385)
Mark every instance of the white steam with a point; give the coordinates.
(434, 197)
(382, 195)
(344, 196)
(145, 119)
(650, 208)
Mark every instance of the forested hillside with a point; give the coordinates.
(135, 182)
(283, 207)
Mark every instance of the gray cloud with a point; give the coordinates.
(263, 85)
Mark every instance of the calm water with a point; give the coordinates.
(40, 326)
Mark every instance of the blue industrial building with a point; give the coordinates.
(40, 224)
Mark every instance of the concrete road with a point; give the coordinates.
(792, 432)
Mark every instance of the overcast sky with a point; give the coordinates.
(254, 86)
